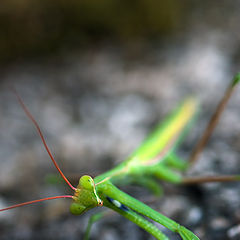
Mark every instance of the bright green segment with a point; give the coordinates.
(140, 221)
(108, 189)
(159, 144)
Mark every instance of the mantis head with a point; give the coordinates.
(85, 196)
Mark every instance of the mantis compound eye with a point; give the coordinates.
(86, 182)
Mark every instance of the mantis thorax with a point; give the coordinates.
(85, 196)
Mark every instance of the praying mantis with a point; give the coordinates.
(155, 158)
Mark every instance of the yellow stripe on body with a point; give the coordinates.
(159, 144)
(171, 133)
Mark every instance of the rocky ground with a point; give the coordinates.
(95, 107)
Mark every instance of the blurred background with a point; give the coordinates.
(97, 76)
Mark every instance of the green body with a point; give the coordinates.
(154, 158)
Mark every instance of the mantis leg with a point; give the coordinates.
(164, 173)
(174, 161)
(150, 184)
(94, 218)
(114, 193)
(134, 217)
(144, 181)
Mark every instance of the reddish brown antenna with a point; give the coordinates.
(49, 153)
(42, 137)
(34, 201)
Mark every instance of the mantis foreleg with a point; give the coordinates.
(134, 217)
(108, 189)
(94, 218)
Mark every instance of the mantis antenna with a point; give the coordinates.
(42, 138)
(50, 155)
(34, 201)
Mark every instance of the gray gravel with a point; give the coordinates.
(94, 108)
